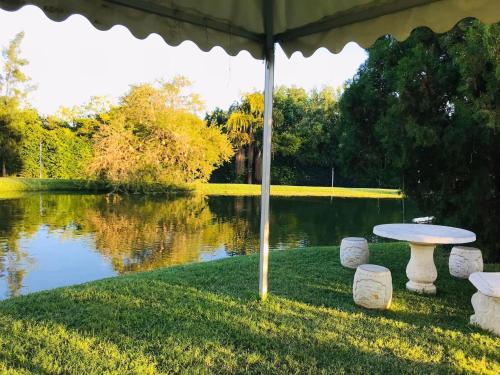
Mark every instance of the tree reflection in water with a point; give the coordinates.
(136, 233)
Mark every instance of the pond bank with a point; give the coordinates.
(299, 191)
(9, 185)
(206, 318)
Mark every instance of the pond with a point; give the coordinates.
(52, 240)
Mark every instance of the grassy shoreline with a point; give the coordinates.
(298, 191)
(17, 184)
(206, 318)
(10, 185)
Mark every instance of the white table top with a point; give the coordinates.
(424, 233)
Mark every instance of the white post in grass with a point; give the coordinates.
(266, 173)
(40, 161)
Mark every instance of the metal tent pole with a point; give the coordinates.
(266, 173)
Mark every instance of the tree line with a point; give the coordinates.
(303, 142)
(409, 105)
(153, 136)
(421, 115)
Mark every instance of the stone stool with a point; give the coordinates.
(486, 301)
(464, 261)
(372, 287)
(354, 252)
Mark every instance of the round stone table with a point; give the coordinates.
(423, 238)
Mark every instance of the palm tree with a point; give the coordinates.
(242, 125)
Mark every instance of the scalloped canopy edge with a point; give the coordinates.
(298, 26)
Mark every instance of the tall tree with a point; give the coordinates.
(14, 83)
(425, 111)
(242, 125)
(14, 88)
(154, 136)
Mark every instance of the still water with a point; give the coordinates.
(52, 240)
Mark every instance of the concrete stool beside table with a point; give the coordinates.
(464, 261)
(486, 301)
(354, 252)
(372, 287)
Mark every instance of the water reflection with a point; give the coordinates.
(50, 240)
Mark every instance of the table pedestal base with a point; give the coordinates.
(421, 288)
(421, 270)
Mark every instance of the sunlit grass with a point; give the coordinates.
(299, 191)
(206, 317)
(9, 185)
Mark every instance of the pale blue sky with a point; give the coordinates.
(71, 61)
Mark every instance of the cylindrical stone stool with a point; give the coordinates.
(354, 252)
(372, 287)
(464, 261)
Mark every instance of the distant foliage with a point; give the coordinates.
(154, 137)
(64, 154)
(303, 143)
(14, 88)
(304, 138)
(11, 123)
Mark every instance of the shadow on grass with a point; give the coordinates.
(207, 317)
(186, 325)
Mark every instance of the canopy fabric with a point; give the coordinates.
(297, 25)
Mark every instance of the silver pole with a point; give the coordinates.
(266, 174)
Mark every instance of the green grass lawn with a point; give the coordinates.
(206, 318)
(9, 185)
(298, 191)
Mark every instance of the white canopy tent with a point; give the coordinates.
(257, 25)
